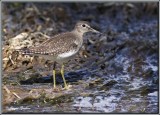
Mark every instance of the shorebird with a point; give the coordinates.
(61, 48)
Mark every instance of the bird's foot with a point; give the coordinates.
(67, 87)
(57, 89)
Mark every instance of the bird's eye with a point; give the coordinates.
(83, 25)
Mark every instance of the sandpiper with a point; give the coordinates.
(61, 48)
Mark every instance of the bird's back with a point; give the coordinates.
(59, 44)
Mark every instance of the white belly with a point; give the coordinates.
(64, 57)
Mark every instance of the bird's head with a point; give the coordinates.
(83, 27)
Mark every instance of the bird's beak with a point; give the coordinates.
(93, 30)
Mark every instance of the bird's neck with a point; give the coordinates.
(79, 37)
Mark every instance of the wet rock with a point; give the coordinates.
(108, 85)
(96, 83)
(63, 98)
(148, 73)
(145, 90)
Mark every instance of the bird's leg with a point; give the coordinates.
(62, 73)
(54, 75)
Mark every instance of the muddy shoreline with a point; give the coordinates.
(116, 72)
